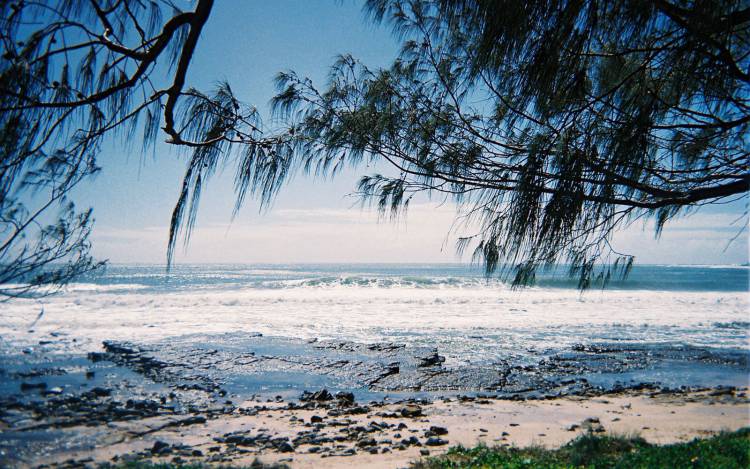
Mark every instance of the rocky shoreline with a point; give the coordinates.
(224, 401)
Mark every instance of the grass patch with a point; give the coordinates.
(723, 451)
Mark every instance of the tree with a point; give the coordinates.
(552, 123)
(549, 123)
(71, 74)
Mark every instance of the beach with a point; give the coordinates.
(310, 365)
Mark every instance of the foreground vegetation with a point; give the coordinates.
(727, 450)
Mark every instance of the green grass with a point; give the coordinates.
(724, 451)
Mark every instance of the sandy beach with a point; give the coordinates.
(382, 435)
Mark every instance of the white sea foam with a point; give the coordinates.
(464, 321)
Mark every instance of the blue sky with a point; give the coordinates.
(247, 43)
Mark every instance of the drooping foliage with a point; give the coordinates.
(551, 123)
(73, 73)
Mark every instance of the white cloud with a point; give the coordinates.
(354, 235)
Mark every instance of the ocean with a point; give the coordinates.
(469, 318)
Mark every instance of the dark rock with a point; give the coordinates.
(439, 430)
(316, 419)
(367, 442)
(159, 447)
(33, 386)
(411, 411)
(317, 396)
(195, 419)
(432, 359)
(435, 441)
(346, 398)
(424, 452)
(100, 392)
(285, 447)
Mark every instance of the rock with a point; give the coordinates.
(100, 392)
(367, 442)
(358, 410)
(159, 447)
(439, 430)
(401, 426)
(346, 398)
(285, 447)
(572, 427)
(514, 424)
(424, 452)
(195, 419)
(316, 419)
(33, 386)
(411, 411)
(97, 356)
(435, 441)
(432, 359)
(592, 425)
(317, 396)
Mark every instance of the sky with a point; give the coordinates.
(246, 43)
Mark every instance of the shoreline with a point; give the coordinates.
(336, 432)
(232, 398)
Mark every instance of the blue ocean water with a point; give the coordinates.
(270, 276)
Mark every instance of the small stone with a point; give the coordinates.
(366, 442)
(159, 447)
(316, 419)
(411, 411)
(345, 398)
(443, 431)
(285, 447)
(435, 441)
(424, 452)
(100, 392)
